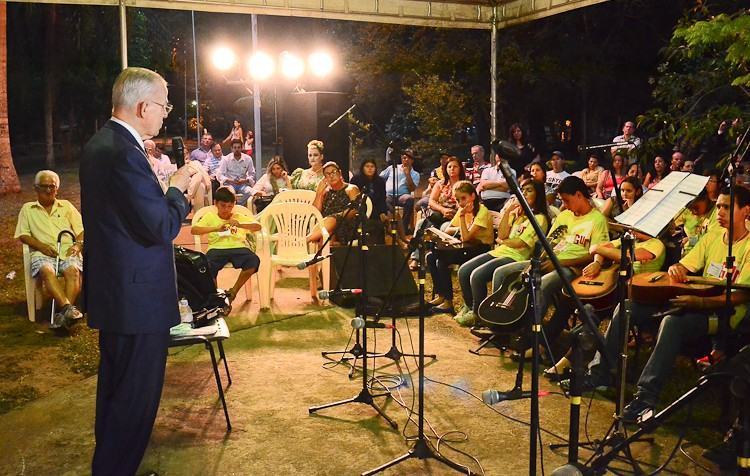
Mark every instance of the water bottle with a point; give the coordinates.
(186, 314)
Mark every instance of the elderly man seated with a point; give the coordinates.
(227, 231)
(237, 171)
(39, 224)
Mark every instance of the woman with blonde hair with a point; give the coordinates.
(309, 178)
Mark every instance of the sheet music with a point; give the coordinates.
(658, 206)
(451, 240)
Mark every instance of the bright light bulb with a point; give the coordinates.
(223, 58)
(260, 66)
(292, 67)
(321, 63)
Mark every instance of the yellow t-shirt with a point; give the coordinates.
(522, 229)
(709, 255)
(233, 238)
(695, 226)
(653, 246)
(483, 220)
(582, 232)
(34, 221)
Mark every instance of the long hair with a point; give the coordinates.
(464, 186)
(636, 183)
(461, 170)
(514, 126)
(362, 167)
(540, 199)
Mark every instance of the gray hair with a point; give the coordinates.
(47, 173)
(133, 85)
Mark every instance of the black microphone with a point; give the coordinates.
(312, 261)
(178, 151)
(491, 397)
(329, 293)
(359, 323)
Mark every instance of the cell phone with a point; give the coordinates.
(178, 151)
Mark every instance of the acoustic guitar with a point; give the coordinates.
(599, 290)
(508, 304)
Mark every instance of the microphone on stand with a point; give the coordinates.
(359, 323)
(329, 293)
(312, 261)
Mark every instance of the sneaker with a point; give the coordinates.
(72, 313)
(638, 411)
(464, 309)
(589, 384)
(467, 319)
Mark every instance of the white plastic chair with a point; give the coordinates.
(258, 237)
(290, 196)
(35, 290)
(285, 227)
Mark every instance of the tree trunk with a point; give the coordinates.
(8, 176)
(50, 62)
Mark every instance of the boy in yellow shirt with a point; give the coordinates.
(227, 232)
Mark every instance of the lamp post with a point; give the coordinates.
(262, 67)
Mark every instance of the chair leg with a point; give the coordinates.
(223, 357)
(218, 384)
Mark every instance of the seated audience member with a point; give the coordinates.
(657, 174)
(473, 223)
(678, 159)
(435, 175)
(635, 170)
(584, 226)
(630, 191)
(271, 183)
(605, 185)
(199, 186)
(515, 238)
(211, 165)
(517, 137)
(590, 175)
(161, 170)
(712, 186)
(336, 201)
(555, 176)
(237, 171)
(371, 184)
(697, 219)
(202, 153)
(478, 164)
(688, 166)
(227, 239)
(310, 178)
(39, 224)
(492, 188)
(698, 313)
(406, 181)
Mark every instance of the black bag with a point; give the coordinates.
(195, 283)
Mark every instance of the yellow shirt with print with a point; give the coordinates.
(235, 238)
(483, 220)
(709, 255)
(653, 246)
(582, 232)
(521, 229)
(34, 221)
(695, 227)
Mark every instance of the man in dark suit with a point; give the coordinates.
(130, 291)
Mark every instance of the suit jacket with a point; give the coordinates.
(129, 279)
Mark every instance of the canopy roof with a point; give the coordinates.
(476, 14)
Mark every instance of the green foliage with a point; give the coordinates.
(701, 82)
(438, 107)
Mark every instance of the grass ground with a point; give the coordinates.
(47, 394)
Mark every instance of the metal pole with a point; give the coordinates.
(493, 74)
(256, 102)
(123, 35)
(198, 131)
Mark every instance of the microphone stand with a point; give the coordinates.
(585, 313)
(582, 148)
(364, 395)
(422, 449)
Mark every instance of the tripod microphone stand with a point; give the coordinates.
(364, 395)
(422, 448)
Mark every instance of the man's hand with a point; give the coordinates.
(678, 273)
(48, 250)
(687, 302)
(233, 222)
(592, 270)
(75, 249)
(181, 179)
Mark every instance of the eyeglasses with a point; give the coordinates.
(46, 187)
(167, 107)
(332, 173)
